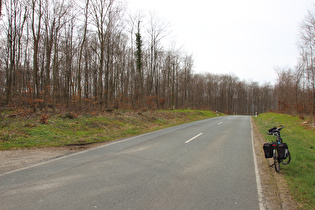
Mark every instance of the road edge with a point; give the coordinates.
(261, 200)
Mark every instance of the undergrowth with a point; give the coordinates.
(20, 131)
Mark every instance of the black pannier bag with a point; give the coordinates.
(282, 150)
(268, 150)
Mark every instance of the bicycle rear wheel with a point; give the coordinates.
(276, 160)
(288, 159)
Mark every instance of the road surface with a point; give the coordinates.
(206, 164)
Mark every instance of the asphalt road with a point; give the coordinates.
(206, 164)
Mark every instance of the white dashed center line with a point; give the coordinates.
(186, 142)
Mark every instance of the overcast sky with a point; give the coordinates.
(247, 38)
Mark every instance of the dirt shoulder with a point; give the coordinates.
(275, 189)
(16, 159)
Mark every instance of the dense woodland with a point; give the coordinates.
(88, 55)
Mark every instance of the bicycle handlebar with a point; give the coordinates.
(275, 130)
(280, 127)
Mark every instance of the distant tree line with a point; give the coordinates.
(92, 55)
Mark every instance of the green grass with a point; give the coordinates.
(28, 132)
(301, 142)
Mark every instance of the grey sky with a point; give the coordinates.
(247, 38)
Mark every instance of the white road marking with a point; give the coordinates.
(258, 180)
(220, 123)
(186, 142)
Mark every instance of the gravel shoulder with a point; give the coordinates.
(17, 159)
(275, 189)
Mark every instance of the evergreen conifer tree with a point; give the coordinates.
(139, 78)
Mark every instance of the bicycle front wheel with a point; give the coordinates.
(276, 160)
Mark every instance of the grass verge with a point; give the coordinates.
(18, 131)
(300, 138)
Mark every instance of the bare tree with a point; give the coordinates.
(17, 15)
(36, 21)
(84, 36)
(187, 74)
(307, 46)
(54, 19)
(100, 10)
(157, 31)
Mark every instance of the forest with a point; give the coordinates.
(94, 55)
